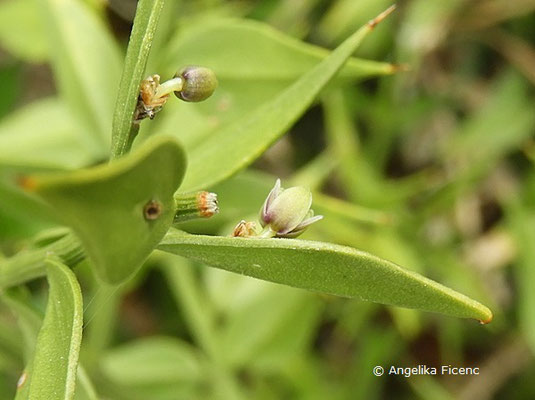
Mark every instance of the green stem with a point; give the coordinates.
(124, 130)
(30, 264)
(170, 86)
(267, 233)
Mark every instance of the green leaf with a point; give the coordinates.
(246, 81)
(21, 214)
(327, 268)
(105, 205)
(145, 23)
(522, 221)
(502, 124)
(288, 319)
(29, 321)
(155, 360)
(86, 63)
(159, 368)
(236, 145)
(256, 52)
(43, 135)
(52, 373)
(22, 30)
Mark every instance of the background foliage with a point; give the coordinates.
(431, 168)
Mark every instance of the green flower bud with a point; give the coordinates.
(195, 205)
(198, 83)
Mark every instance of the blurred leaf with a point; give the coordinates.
(145, 23)
(155, 361)
(522, 220)
(425, 25)
(256, 52)
(87, 65)
(288, 316)
(105, 205)
(30, 321)
(84, 387)
(236, 145)
(22, 31)
(501, 125)
(288, 319)
(327, 268)
(199, 316)
(52, 373)
(21, 215)
(43, 135)
(344, 16)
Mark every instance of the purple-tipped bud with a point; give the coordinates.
(286, 212)
(198, 83)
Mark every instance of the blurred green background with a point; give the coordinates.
(432, 168)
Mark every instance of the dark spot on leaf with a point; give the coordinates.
(152, 210)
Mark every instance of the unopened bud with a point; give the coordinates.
(195, 205)
(286, 213)
(198, 83)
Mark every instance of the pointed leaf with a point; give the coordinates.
(258, 63)
(106, 205)
(238, 144)
(52, 372)
(327, 268)
(256, 52)
(30, 321)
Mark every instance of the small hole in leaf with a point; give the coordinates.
(152, 210)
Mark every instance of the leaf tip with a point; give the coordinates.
(374, 22)
(485, 315)
(487, 320)
(399, 68)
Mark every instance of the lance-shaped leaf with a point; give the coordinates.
(30, 321)
(258, 63)
(326, 268)
(239, 143)
(121, 210)
(52, 372)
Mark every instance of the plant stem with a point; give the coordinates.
(30, 264)
(124, 130)
(170, 86)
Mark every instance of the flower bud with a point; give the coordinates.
(286, 212)
(198, 83)
(195, 205)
